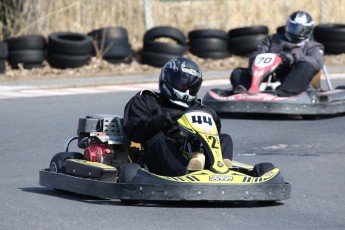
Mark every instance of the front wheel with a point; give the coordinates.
(262, 168)
(58, 162)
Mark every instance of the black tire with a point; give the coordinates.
(127, 172)
(332, 47)
(116, 48)
(214, 54)
(165, 31)
(28, 42)
(58, 162)
(160, 47)
(2, 66)
(245, 44)
(340, 87)
(3, 50)
(63, 61)
(262, 168)
(70, 43)
(26, 57)
(207, 44)
(280, 30)
(109, 33)
(156, 59)
(249, 30)
(330, 32)
(207, 33)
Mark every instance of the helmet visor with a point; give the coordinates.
(187, 80)
(299, 30)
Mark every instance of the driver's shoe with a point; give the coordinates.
(227, 162)
(197, 162)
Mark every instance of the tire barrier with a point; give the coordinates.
(332, 36)
(157, 53)
(209, 43)
(244, 40)
(28, 51)
(111, 43)
(69, 50)
(3, 56)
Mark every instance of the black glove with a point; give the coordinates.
(163, 121)
(287, 58)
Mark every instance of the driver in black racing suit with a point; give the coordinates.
(301, 56)
(150, 118)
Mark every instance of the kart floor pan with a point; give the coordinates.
(166, 192)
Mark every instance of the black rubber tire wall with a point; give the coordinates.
(248, 30)
(244, 45)
(70, 43)
(29, 42)
(69, 49)
(209, 43)
(3, 56)
(165, 31)
(26, 50)
(109, 33)
(332, 36)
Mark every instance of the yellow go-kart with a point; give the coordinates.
(110, 167)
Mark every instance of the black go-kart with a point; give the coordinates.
(111, 167)
(261, 99)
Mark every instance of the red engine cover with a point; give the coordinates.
(97, 153)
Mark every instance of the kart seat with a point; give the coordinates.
(316, 81)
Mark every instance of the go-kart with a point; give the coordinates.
(260, 98)
(111, 167)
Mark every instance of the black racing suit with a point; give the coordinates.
(295, 79)
(162, 154)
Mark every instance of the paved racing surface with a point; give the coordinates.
(310, 154)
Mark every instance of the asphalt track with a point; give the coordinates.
(310, 154)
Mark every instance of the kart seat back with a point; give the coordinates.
(316, 81)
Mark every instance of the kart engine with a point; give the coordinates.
(102, 139)
(98, 153)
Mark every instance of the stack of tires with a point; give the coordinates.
(69, 50)
(244, 40)
(3, 56)
(156, 52)
(209, 43)
(111, 43)
(28, 51)
(332, 36)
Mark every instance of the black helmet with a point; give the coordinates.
(180, 81)
(299, 27)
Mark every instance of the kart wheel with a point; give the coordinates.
(262, 168)
(58, 162)
(127, 172)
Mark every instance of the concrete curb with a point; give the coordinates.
(335, 72)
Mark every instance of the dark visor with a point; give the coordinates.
(184, 81)
(299, 29)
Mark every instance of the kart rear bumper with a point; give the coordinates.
(167, 191)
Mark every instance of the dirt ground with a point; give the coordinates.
(99, 67)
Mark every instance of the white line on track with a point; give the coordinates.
(21, 93)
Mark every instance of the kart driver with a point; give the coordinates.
(302, 58)
(150, 119)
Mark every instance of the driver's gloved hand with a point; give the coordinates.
(163, 121)
(287, 58)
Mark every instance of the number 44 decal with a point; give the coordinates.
(202, 119)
